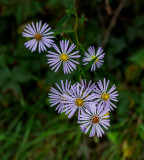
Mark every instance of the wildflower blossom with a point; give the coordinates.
(94, 119)
(85, 84)
(89, 85)
(93, 54)
(63, 56)
(105, 97)
(40, 36)
(77, 99)
(56, 95)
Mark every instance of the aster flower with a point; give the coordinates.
(94, 120)
(57, 94)
(89, 85)
(64, 56)
(93, 54)
(77, 99)
(104, 96)
(85, 84)
(40, 36)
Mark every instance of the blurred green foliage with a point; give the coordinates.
(29, 128)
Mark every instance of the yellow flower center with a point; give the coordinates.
(63, 57)
(38, 37)
(95, 60)
(79, 102)
(95, 119)
(105, 96)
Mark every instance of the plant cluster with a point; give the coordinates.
(92, 101)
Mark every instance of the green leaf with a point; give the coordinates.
(60, 31)
(139, 21)
(14, 86)
(138, 58)
(81, 47)
(113, 62)
(142, 100)
(21, 75)
(82, 19)
(113, 136)
(18, 13)
(23, 143)
(142, 82)
(141, 131)
(117, 45)
(131, 33)
(63, 21)
(124, 104)
(132, 72)
(88, 66)
(5, 76)
(3, 25)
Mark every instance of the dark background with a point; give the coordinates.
(29, 128)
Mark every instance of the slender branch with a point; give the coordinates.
(108, 8)
(76, 24)
(76, 36)
(113, 21)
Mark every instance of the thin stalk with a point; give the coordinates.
(76, 36)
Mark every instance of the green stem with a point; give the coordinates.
(76, 36)
(76, 25)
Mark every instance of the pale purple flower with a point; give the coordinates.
(57, 94)
(77, 99)
(85, 84)
(88, 85)
(105, 97)
(94, 120)
(40, 35)
(93, 54)
(63, 55)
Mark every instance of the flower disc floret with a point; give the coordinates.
(79, 102)
(38, 37)
(105, 96)
(63, 57)
(95, 119)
